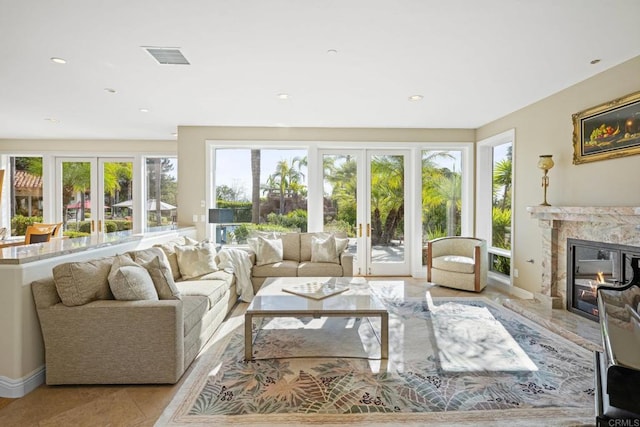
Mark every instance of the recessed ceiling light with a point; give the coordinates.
(109, 90)
(415, 98)
(52, 120)
(332, 51)
(58, 60)
(283, 95)
(144, 110)
(594, 61)
(174, 134)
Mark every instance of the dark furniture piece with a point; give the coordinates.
(618, 366)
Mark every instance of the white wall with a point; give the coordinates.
(546, 127)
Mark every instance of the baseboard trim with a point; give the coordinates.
(512, 290)
(15, 388)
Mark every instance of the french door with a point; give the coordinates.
(87, 188)
(365, 192)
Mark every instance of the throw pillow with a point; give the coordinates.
(341, 245)
(169, 250)
(81, 282)
(268, 251)
(162, 278)
(196, 260)
(130, 281)
(324, 250)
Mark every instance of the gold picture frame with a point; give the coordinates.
(607, 131)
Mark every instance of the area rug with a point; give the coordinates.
(452, 361)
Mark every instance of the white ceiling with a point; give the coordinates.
(473, 61)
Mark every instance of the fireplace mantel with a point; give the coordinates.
(608, 224)
(613, 214)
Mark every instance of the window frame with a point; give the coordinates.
(484, 198)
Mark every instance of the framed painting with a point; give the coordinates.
(608, 130)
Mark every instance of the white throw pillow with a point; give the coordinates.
(324, 249)
(196, 260)
(341, 245)
(268, 251)
(130, 281)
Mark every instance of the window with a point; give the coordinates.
(495, 178)
(161, 193)
(26, 194)
(263, 187)
(441, 195)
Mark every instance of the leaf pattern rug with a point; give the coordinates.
(452, 361)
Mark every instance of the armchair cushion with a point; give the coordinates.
(455, 263)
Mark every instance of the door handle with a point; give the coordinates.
(99, 226)
(368, 230)
(359, 230)
(93, 226)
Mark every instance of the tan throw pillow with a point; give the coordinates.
(196, 260)
(81, 282)
(160, 273)
(169, 249)
(268, 251)
(324, 249)
(130, 281)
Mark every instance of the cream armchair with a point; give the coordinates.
(458, 262)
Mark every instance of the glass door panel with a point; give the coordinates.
(92, 190)
(387, 192)
(116, 188)
(76, 180)
(366, 199)
(340, 196)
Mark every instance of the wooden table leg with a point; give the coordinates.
(384, 336)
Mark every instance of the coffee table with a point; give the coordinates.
(358, 301)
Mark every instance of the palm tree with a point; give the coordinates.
(441, 196)
(387, 197)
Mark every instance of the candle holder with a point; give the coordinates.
(545, 163)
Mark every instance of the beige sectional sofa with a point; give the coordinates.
(91, 337)
(301, 255)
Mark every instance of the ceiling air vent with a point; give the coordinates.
(167, 55)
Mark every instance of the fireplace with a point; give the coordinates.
(591, 264)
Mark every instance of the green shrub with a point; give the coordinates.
(72, 234)
(19, 224)
(110, 226)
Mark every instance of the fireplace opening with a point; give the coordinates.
(592, 264)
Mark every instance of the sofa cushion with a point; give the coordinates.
(305, 242)
(155, 261)
(213, 290)
(454, 263)
(81, 282)
(162, 279)
(290, 246)
(196, 260)
(284, 268)
(169, 249)
(268, 251)
(194, 308)
(310, 269)
(324, 249)
(130, 281)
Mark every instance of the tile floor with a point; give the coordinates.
(141, 405)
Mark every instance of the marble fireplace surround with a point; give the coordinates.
(608, 224)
